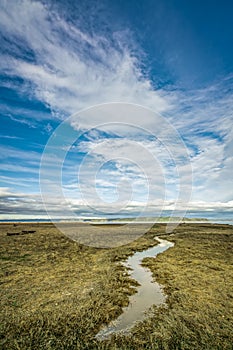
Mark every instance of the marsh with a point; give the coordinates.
(57, 293)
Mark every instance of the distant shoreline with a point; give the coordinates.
(120, 221)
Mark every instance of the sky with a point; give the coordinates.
(116, 108)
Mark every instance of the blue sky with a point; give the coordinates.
(174, 58)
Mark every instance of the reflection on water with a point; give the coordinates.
(148, 293)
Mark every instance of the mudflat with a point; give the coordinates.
(57, 293)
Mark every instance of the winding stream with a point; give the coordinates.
(148, 293)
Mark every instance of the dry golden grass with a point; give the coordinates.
(56, 293)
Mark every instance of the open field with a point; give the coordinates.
(56, 293)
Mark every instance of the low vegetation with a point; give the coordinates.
(56, 293)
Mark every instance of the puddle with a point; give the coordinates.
(148, 293)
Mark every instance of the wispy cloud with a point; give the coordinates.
(67, 69)
(71, 69)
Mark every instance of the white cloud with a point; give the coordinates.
(23, 205)
(72, 70)
(64, 75)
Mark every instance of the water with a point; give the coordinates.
(226, 221)
(223, 222)
(148, 293)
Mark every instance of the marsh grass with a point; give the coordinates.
(56, 293)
